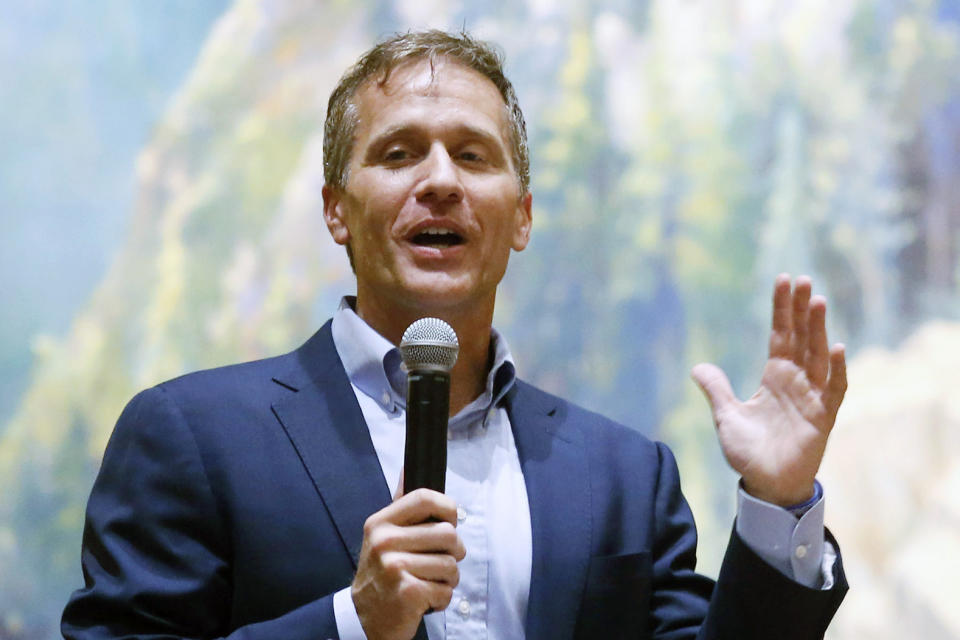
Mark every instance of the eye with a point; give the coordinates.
(472, 156)
(396, 154)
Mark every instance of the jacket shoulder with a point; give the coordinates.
(595, 428)
(274, 376)
(231, 378)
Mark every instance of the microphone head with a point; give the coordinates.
(429, 344)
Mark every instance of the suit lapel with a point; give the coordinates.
(326, 426)
(553, 459)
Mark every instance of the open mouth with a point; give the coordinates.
(437, 237)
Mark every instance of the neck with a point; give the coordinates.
(469, 374)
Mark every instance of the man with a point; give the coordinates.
(254, 501)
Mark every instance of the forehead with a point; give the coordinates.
(430, 93)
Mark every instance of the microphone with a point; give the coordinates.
(429, 349)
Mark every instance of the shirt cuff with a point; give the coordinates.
(345, 613)
(795, 547)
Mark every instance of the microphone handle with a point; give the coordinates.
(425, 452)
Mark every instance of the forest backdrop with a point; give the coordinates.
(160, 190)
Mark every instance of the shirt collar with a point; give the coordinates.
(373, 365)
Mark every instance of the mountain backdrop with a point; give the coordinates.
(683, 154)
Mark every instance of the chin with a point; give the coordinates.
(448, 296)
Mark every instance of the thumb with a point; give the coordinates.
(715, 386)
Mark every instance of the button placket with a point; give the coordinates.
(466, 617)
(469, 454)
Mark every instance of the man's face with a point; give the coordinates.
(432, 205)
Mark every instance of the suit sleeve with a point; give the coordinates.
(156, 552)
(751, 599)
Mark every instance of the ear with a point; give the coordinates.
(333, 214)
(523, 223)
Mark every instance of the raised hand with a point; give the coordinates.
(776, 439)
(408, 564)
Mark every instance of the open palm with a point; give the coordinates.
(775, 440)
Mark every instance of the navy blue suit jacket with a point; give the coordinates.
(231, 502)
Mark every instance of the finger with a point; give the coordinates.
(417, 506)
(782, 318)
(715, 386)
(426, 596)
(430, 537)
(800, 308)
(435, 567)
(837, 382)
(818, 355)
(438, 596)
(423, 504)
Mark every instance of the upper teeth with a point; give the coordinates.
(437, 230)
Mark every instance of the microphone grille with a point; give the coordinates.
(429, 343)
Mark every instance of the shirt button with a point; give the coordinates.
(464, 607)
(385, 398)
(801, 552)
(461, 516)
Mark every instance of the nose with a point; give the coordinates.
(440, 181)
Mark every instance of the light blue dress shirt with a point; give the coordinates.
(484, 478)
